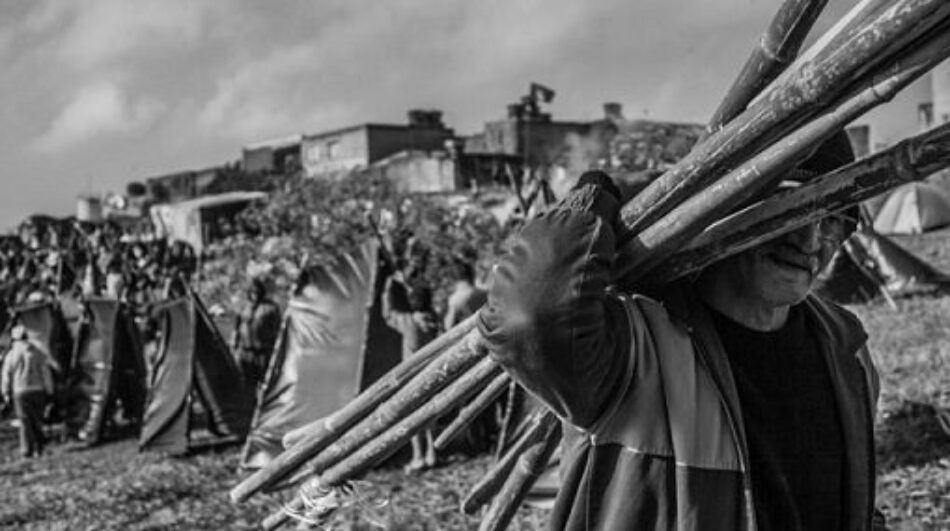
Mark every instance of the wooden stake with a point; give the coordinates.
(487, 488)
(530, 465)
(455, 366)
(911, 160)
(659, 241)
(468, 413)
(777, 48)
(806, 92)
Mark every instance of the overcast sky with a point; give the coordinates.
(94, 94)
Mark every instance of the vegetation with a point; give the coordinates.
(309, 221)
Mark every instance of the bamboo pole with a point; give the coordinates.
(530, 465)
(659, 241)
(456, 365)
(398, 435)
(803, 94)
(488, 487)
(468, 413)
(777, 48)
(382, 446)
(910, 160)
(313, 438)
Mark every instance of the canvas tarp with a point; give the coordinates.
(333, 344)
(47, 330)
(868, 263)
(912, 209)
(108, 368)
(192, 361)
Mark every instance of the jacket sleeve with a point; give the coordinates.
(549, 320)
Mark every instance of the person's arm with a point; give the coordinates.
(549, 320)
(6, 376)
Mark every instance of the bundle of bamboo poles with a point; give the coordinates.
(680, 223)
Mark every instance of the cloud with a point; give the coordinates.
(93, 33)
(97, 109)
(268, 96)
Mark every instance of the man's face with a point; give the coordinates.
(783, 271)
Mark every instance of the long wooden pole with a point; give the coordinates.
(456, 365)
(313, 438)
(382, 446)
(467, 414)
(531, 463)
(805, 93)
(910, 160)
(777, 48)
(487, 488)
(673, 231)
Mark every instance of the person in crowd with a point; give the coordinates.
(407, 308)
(27, 382)
(465, 298)
(733, 399)
(255, 333)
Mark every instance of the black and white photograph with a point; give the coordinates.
(492, 265)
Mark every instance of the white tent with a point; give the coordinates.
(912, 209)
(184, 221)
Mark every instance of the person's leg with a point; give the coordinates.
(430, 458)
(417, 462)
(29, 410)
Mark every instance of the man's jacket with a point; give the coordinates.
(26, 369)
(653, 429)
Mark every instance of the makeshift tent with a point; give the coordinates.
(912, 209)
(108, 370)
(869, 265)
(47, 329)
(189, 221)
(192, 362)
(333, 344)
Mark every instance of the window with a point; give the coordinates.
(333, 149)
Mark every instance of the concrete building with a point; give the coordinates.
(359, 146)
(279, 155)
(182, 185)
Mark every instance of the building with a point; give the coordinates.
(528, 134)
(359, 146)
(184, 185)
(923, 105)
(280, 155)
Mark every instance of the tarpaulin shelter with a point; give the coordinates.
(188, 221)
(333, 344)
(46, 329)
(869, 265)
(109, 369)
(912, 209)
(192, 366)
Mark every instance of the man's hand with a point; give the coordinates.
(595, 192)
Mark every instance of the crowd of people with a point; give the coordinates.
(66, 263)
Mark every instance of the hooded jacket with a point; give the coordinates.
(26, 369)
(654, 437)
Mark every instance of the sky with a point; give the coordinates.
(97, 93)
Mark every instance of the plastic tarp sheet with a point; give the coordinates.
(869, 262)
(333, 344)
(46, 328)
(109, 367)
(192, 362)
